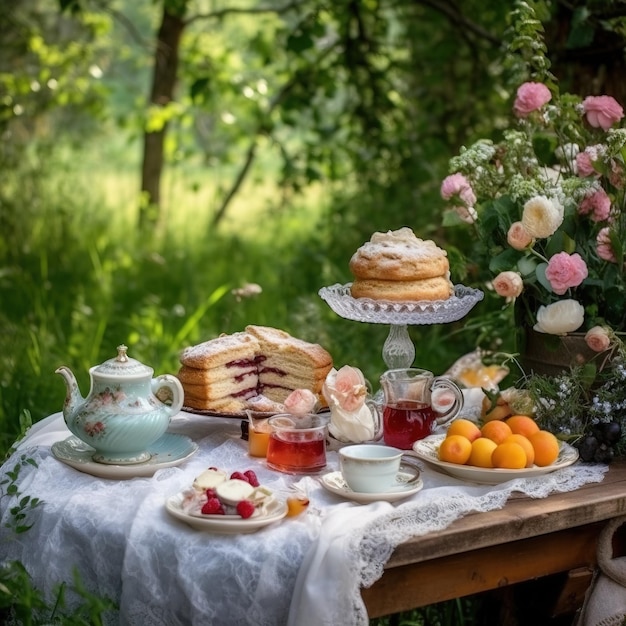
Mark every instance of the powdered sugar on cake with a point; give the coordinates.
(257, 368)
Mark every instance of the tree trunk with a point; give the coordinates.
(162, 93)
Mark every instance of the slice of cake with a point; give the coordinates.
(287, 363)
(260, 366)
(220, 374)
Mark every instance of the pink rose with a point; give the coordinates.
(584, 164)
(604, 248)
(458, 185)
(616, 174)
(346, 388)
(565, 271)
(530, 97)
(602, 111)
(597, 205)
(518, 237)
(300, 401)
(508, 284)
(598, 339)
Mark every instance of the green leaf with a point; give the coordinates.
(199, 87)
(540, 273)
(299, 42)
(582, 33)
(504, 261)
(527, 265)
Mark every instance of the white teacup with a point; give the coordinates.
(371, 468)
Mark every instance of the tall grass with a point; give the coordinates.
(77, 279)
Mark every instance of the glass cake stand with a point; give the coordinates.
(398, 349)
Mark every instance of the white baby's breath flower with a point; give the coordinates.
(567, 152)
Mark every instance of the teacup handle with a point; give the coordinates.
(173, 384)
(410, 461)
(440, 382)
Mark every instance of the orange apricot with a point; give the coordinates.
(464, 427)
(455, 449)
(482, 449)
(296, 505)
(496, 430)
(509, 456)
(546, 447)
(522, 425)
(525, 443)
(495, 408)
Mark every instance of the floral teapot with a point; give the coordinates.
(122, 416)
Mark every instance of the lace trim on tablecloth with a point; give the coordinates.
(371, 536)
(306, 571)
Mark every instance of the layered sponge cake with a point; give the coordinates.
(251, 369)
(221, 373)
(399, 266)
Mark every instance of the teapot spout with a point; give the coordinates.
(73, 397)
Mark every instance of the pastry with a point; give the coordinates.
(398, 266)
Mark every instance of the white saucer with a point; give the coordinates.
(170, 450)
(427, 450)
(227, 524)
(335, 483)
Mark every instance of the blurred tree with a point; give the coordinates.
(374, 95)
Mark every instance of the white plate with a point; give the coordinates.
(428, 450)
(335, 483)
(167, 451)
(228, 524)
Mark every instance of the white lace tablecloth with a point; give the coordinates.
(302, 571)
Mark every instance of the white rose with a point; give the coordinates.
(559, 318)
(541, 217)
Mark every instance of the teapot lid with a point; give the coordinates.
(122, 366)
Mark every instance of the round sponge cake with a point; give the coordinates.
(398, 266)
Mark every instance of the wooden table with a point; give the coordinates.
(527, 539)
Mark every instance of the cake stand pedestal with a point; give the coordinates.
(398, 349)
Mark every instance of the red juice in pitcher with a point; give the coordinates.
(405, 422)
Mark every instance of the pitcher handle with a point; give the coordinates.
(443, 383)
(376, 411)
(176, 389)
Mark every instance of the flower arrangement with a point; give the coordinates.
(586, 405)
(548, 207)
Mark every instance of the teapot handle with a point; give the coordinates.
(172, 383)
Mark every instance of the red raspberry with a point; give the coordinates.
(245, 508)
(251, 478)
(239, 476)
(211, 493)
(213, 507)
